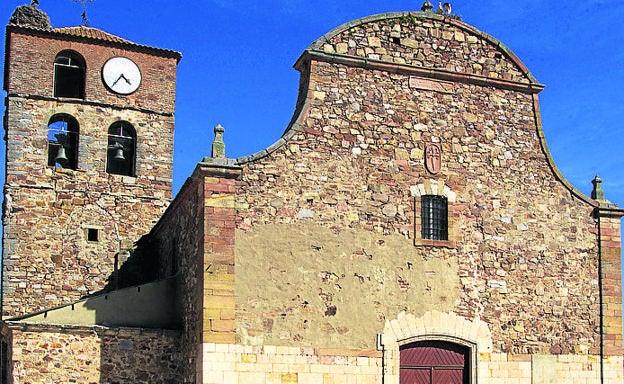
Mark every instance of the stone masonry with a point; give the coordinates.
(353, 166)
(47, 354)
(47, 259)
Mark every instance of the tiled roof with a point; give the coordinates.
(95, 35)
(91, 33)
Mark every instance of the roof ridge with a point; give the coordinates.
(94, 34)
(98, 31)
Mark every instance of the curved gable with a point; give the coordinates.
(441, 46)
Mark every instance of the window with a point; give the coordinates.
(434, 216)
(69, 75)
(120, 159)
(93, 235)
(63, 141)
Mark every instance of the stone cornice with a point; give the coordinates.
(65, 100)
(410, 70)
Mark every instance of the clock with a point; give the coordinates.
(121, 75)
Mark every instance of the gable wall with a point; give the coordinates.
(330, 228)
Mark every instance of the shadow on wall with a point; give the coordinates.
(140, 310)
(128, 335)
(135, 266)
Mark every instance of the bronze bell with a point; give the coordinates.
(61, 157)
(119, 155)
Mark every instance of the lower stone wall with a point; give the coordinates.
(502, 368)
(50, 354)
(235, 364)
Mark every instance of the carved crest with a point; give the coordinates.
(433, 158)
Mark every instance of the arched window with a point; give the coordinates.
(69, 75)
(63, 141)
(120, 157)
(435, 362)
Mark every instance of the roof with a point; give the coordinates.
(93, 35)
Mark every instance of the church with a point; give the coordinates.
(409, 227)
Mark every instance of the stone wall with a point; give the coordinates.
(426, 42)
(49, 354)
(48, 260)
(524, 256)
(178, 240)
(234, 364)
(196, 237)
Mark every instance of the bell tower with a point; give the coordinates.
(89, 126)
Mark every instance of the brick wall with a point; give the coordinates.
(199, 227)
(30, 67)
(610, 280)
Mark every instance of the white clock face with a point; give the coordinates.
(121, 75)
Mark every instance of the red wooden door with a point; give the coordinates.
(434, 362)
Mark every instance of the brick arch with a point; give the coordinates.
(433, 325)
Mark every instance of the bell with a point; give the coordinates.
(61, 157)
(119, 155)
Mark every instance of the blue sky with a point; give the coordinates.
(237, 70)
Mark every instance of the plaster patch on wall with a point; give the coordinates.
(305, 283)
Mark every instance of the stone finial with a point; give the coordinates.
(427, 6)
(597, 192)
(218, 146)
(34, 3)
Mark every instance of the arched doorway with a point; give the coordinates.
(434, 362)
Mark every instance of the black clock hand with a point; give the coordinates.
(119, 78)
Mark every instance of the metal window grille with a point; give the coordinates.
(434, 214)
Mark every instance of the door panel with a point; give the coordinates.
(434, 362)
(416, 376)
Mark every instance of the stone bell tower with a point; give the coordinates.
(89, 144)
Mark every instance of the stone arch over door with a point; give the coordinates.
(445, 328)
